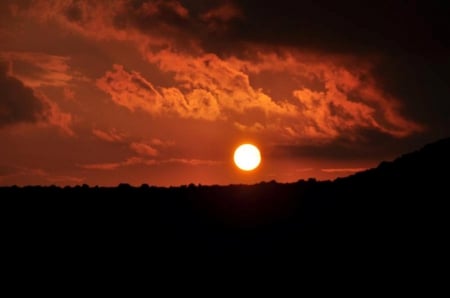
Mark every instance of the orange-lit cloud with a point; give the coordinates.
(207, 88)
(40, 176)
(344, 170)
(193, 161)
(230, 86)
(133, 91)
(149, 162)
(69, 94)
(144, 149)
(109, 136)
(161, 143)
(38, 69)
(54, 116)
(343, 99)
(334, 97)
(113, 165)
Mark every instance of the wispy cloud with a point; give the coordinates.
(149, 162)
(144, 149)
(343, 170)
(17, 175)
(192, 162)
(54, 116)
(114, 165)
(133, 91)
(161, 143)
(222, 13)
(109, 136)
(38, 69)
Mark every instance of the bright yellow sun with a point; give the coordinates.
(247, 157)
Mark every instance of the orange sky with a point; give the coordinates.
(160, 92)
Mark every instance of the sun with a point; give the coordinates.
(247, 157)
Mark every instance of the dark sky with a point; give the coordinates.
(161, 92)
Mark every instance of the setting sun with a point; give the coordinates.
(247, 157)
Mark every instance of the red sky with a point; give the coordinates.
(161, 92)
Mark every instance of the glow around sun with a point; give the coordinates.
(247, 157)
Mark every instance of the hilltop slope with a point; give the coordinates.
(393, 211)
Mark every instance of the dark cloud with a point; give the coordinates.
(327, 26)
(156, 15)
(355, 27)
(74, 13)
(369, 145)
(18, 103)
(347, 26)
(423, 86)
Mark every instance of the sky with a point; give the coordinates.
(162, 91)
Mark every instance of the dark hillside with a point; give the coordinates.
(395, 211)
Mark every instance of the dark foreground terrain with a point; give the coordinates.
(397, 211)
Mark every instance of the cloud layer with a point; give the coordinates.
(333, 94)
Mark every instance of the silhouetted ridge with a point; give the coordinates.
(430, 161)
(397, 210)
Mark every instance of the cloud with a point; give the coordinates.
(10, 171)
(132, 161)
(148, 22)
(334, 97)
(229, 85)
(69, 94)
(192, 162)
(209, 89)
(218, 18)
(66, 179)
(109, 136)
(21, 104)
(343, 170)
(329, 89)
(363, 145)
(17, 175)
(255, 127)
(144, 149)
(344, 27)
(325, 27)
(224, 13)
(161, 143)
(18, 103)
(114, 165)
(38, 69)
(133, 91)
(54, 116)
(101, 166)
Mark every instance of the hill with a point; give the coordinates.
(395, 211)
